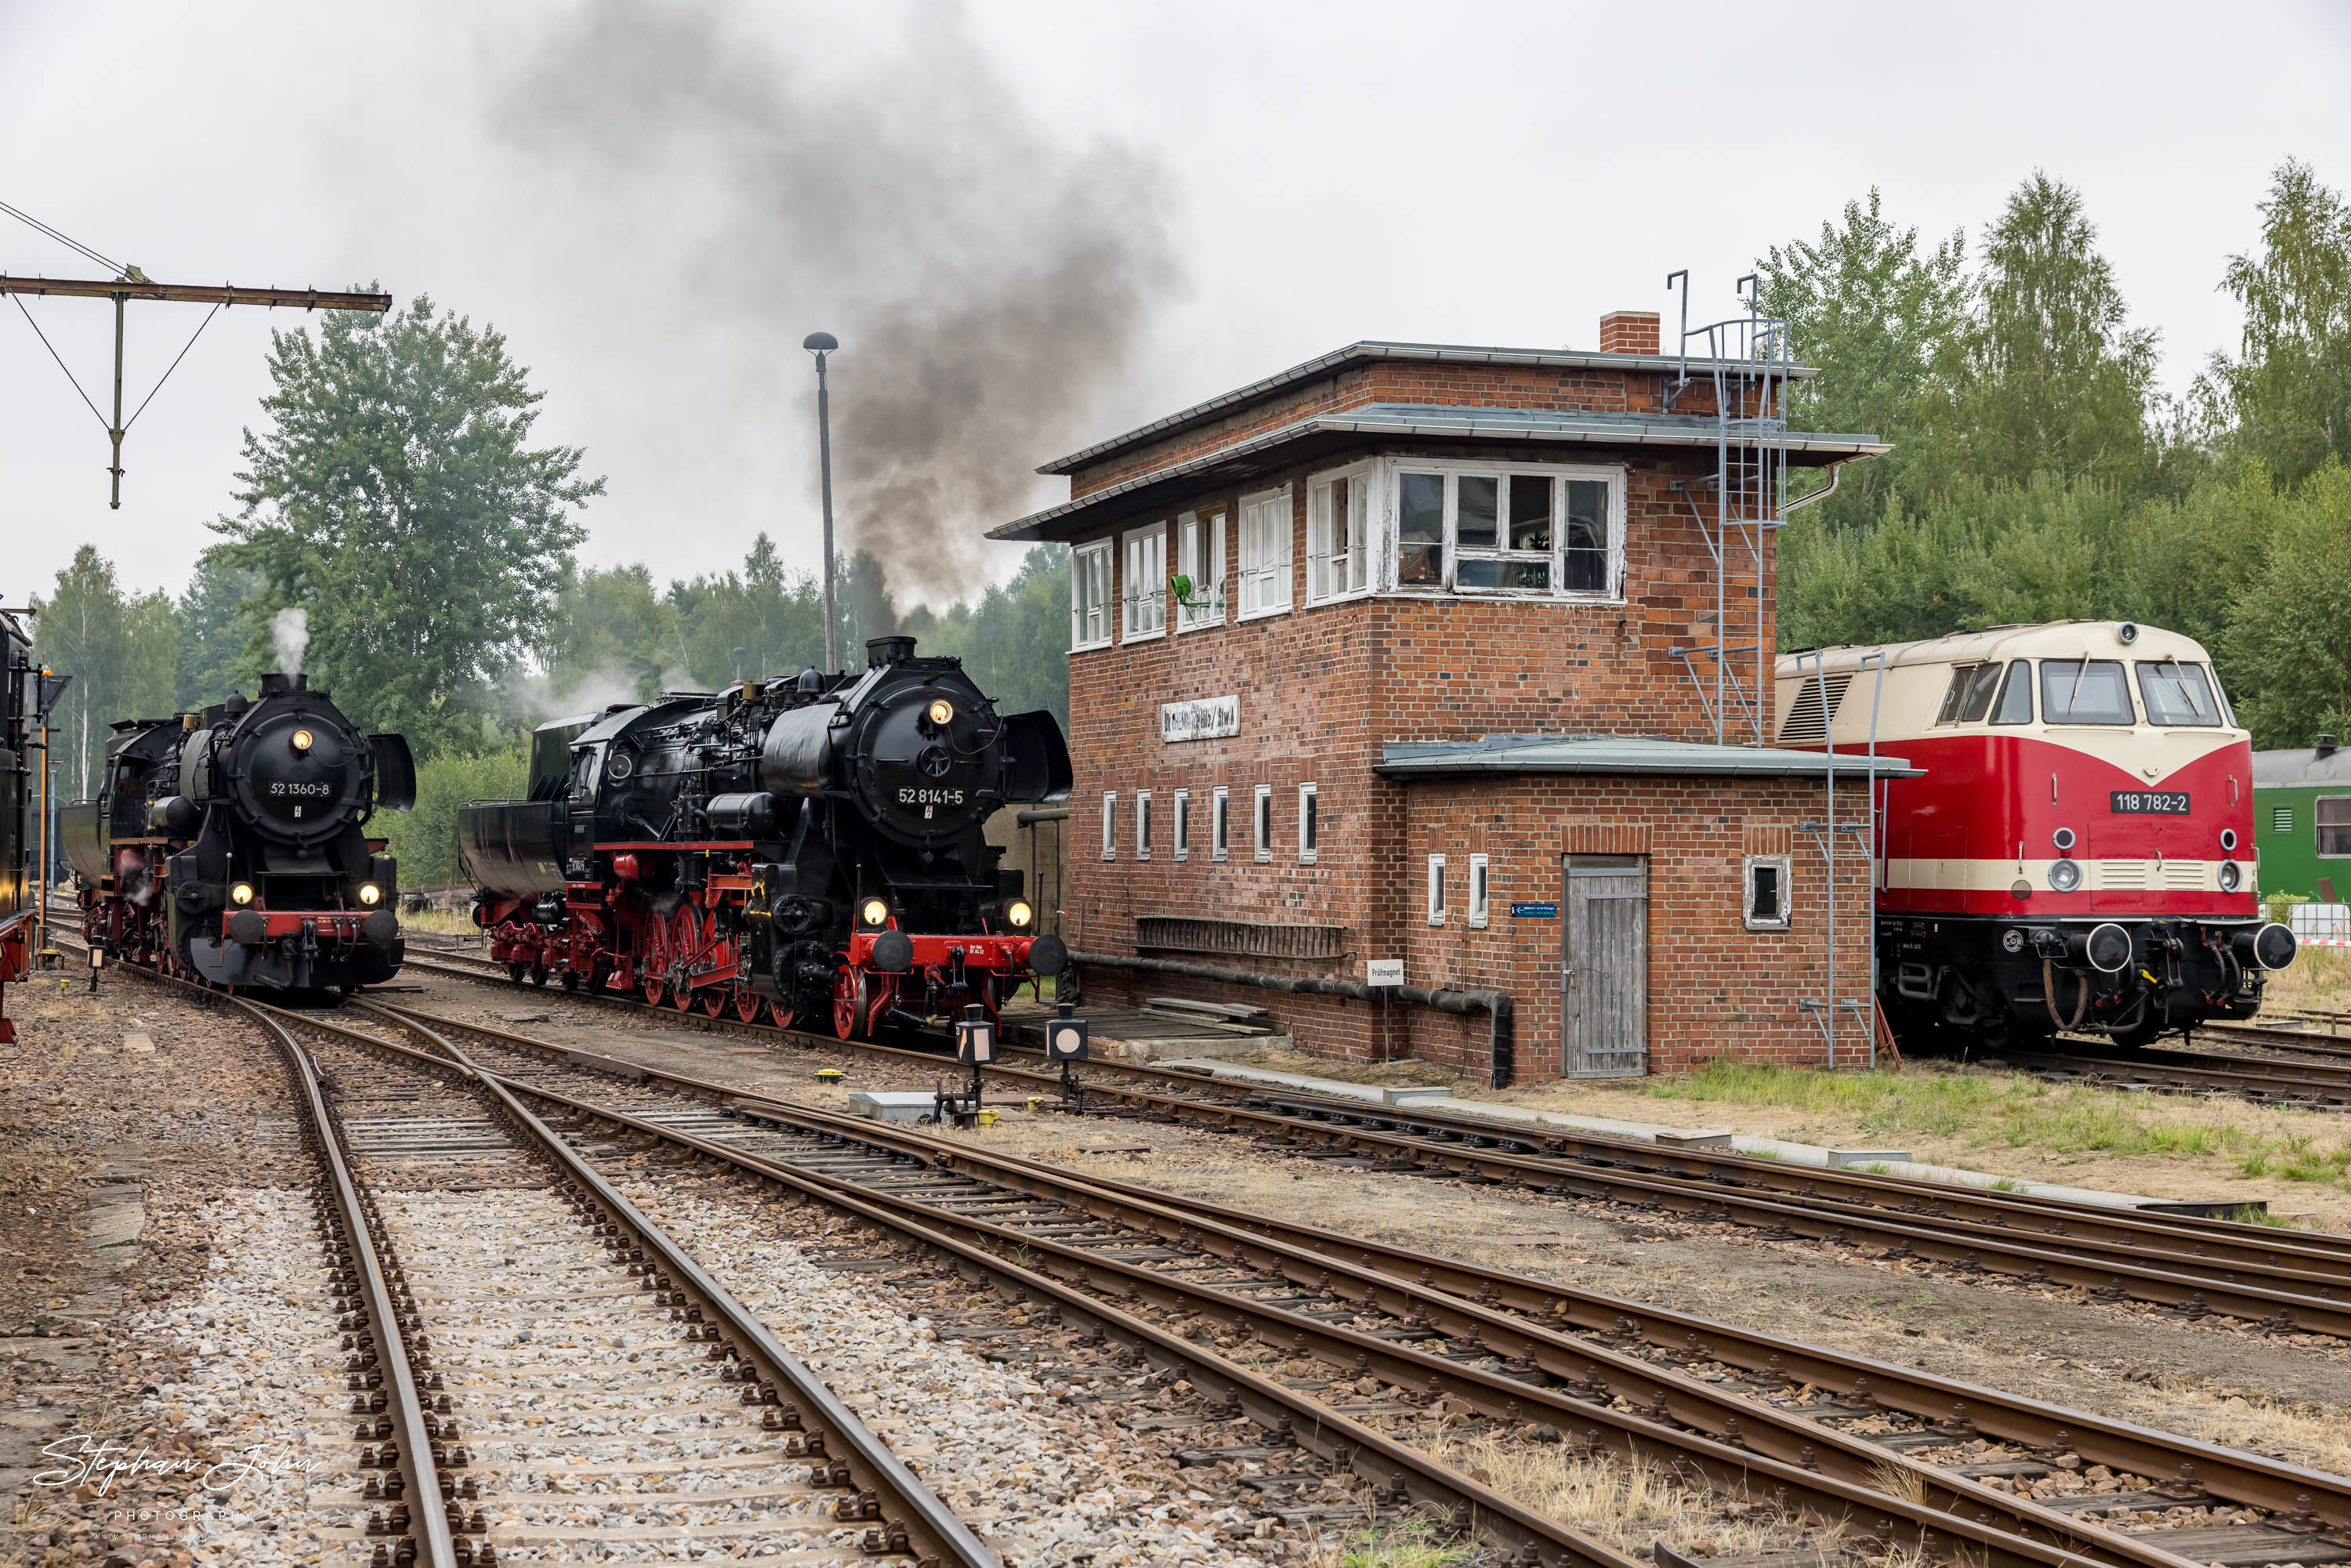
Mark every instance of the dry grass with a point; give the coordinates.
(2319, 978)
(1406, 1073)
(440, 922)
(1627, 1503)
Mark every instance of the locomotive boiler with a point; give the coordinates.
(230, 846)
(2077, 854)
(798, 848)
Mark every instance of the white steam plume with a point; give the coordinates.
(289, 629)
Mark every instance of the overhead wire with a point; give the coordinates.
(64, 239)
(174, 365)
(44, 336)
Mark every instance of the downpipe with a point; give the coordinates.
(1496, 1005)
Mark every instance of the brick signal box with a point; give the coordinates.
(1406, 658)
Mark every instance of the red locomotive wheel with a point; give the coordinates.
(748, 1002)
(847, 1001)
(714, 999)
(655, 986)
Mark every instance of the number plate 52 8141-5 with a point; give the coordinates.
(2163, 802)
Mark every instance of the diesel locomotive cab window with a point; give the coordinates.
(2015, 702)
(1969, 697)
(2178, 694)
(2085, 690)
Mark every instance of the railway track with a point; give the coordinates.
(1609, 1373)
(2310, 1083)
(2290, 1282)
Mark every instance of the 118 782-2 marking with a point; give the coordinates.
(2144, 802)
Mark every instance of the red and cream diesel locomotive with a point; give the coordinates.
(2077, 854)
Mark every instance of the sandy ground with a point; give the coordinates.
(2213, 1381)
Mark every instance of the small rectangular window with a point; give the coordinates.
(1143, 824)
(1201, 563)
(2015, 704)
(1764, 892)
(1110, 824)
(1144, 599)
(1221, 822)
(1477, 893)
(2282, 819)
(1338, 551)
(1420, 529)
(2333, 814)
(1263, 819)
(1183, 824)
(1437, 890)
(2177, 694)
(1265, 553)
(1307, 826)
(2085, 690)
(1588, 545)
(1090, 596)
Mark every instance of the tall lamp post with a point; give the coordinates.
(820, 344)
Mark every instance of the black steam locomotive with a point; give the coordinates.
(18, 688)
(780, 849)
(230, 845)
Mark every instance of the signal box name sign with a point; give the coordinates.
(1201, 718)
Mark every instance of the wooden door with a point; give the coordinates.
(1604, 970)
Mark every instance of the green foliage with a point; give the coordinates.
(1015, 641)
(2286, 396)
(397, 500)
(425, 839)
(610, 638)
(2288, 635)
(122, 649)
(216, 629)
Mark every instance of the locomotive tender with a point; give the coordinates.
(780, 849)
(19, 687)
(2078, 855)
(230, 846)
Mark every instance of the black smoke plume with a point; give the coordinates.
(990, 284)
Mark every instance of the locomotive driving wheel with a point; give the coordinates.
(686, 943)
(849, 1001)
(746, 1001)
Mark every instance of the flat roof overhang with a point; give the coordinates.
(1406, 760)
(1304, 440)
(1372, 350)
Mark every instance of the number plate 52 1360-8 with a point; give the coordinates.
(2164, 802)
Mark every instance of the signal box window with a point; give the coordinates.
(1338, 541)
(1143, 825)
(1201, 563)
(1145, 609)
(1110, 825)
(1437, 890)
(1220, 822)
(1263, 818)
(1090, 597)
(1477, 893)
(1264, 554)
(1183, 824)
(2178, 694)
(2085, 690)
(1764, 892)
(1485, 530)
(2333, 814)
(1308, 825)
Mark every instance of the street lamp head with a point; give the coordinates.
(819, 343)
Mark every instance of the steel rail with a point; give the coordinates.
(1404, 1472)
(1810, 1184)
(2264, 1079)
(1830, 1471)
(436, 1542)
(2271, 1484)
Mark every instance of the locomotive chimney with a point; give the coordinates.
(2325, 746)
(273, 684)
(881, 650)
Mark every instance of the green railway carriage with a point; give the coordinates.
(2302, 821)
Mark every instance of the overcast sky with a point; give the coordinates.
(1031, 225)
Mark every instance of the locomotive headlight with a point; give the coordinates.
(370, 892)
(303, 741)
(2065, 876)
(2233, 876)
(241, 893)
(875, 912)
(942, 711)
(1018, 913)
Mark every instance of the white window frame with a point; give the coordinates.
(1338, 570)
(1110, 825)
(1266, 512)
(1183, 825)
(1480, 892)
(1261, 822)
(1143, 824)
(1143, 592)
(1201, 555)
(1089, 565)
(1220, 824)
(1389, 515)
(1310, 823)
(1786, 866)
(1437, 890)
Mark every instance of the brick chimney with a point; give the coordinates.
(1628, 332)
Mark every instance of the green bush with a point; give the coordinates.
(425, 839)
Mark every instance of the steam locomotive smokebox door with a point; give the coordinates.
(1604, 971)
